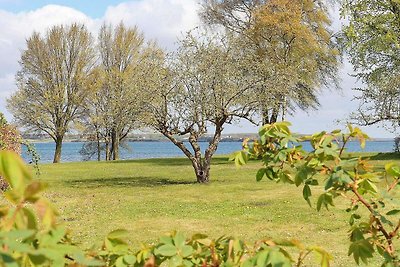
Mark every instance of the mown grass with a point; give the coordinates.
(155, 196)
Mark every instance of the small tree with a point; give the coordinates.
(204, 88)
(125, 64)
(54, 81)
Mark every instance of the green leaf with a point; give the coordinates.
(8, 260)
(301, 176)
(324, 256)
(13, 169)
(366, 186)
(17, 234)
(199, 236)
(129, 259)
(166, 240)
(393, 212)
(119, 233)
(262, 258)
(167, 250)
(179, 240)
(31, 218)
(392, 169)
(186, 251)
(37, 259)
(307, 193)
(324, 200)
(175, 261)
(120, 262)
(260, 174)
(361, 250)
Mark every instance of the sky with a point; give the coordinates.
(164, 21)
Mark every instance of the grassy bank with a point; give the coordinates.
(151, 197)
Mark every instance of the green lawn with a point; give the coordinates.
(155, 196)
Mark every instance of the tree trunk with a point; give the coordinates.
(108, 156)
(274, 115)
(98, 146)
(265, 116)
(202, 172)
(57, 152)
(115, 145)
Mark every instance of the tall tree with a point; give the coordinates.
(373, 43)
(124, 65)
(292, 46)
(203, 88)
(54, 81)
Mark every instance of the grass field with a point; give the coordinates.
(152, 197)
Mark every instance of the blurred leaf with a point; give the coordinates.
(392, 169)
(13, 169)
(361, 249)
(166, 250)
(119, 233)
(179, 240)
(260, 174)
(393, 212)
(324, 200)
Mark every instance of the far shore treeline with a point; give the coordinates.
(249, 60)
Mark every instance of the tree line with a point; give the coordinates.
(254, 60)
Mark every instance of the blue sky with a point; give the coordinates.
(163, 20)
(94, 9)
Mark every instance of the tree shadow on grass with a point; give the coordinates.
(126, 182)
(173, 161)
(386, 156)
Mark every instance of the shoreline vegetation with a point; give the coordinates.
(159, 138)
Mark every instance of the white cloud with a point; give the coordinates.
(16, 27)
(163, 20)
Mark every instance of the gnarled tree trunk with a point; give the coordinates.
(202, 172)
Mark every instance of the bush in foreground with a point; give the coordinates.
(368, 190)
(31, 236)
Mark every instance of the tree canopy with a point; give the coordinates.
(291, 43)
(54, 81)
(125, 64)
(201, 88)
(373, 44)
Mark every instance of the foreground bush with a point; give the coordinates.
(10, 139)
(367, 189)
(31, 236)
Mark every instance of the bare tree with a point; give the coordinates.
(204, 87)
(54, 81)
(125, 63)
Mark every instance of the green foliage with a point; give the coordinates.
(373, 43)
(286, 161)
(3, 120)
(31, 236)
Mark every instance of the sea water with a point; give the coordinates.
(157, 149)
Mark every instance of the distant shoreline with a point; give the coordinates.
(33, 141)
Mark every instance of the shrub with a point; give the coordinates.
(31, 236)
(355, 179)
(10, 139)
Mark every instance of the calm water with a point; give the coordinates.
(143, 150)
